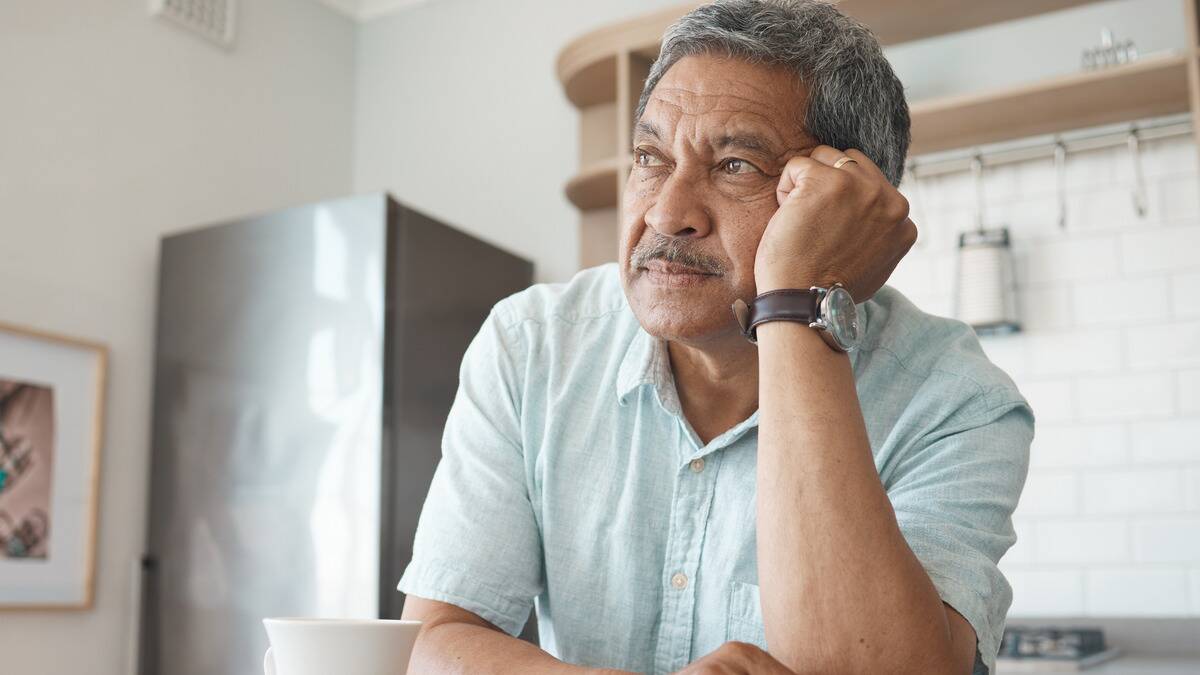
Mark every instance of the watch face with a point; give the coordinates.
(841, 316)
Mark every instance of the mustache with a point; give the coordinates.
(676, 250)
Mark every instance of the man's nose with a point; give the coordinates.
(678, 208)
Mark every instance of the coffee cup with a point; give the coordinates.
(342, 646)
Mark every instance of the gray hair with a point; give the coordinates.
(854, 98)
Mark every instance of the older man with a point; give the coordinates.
(682, 487)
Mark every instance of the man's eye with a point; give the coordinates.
(643, 158)
(738, 166)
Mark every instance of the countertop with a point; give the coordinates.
(1130, 664)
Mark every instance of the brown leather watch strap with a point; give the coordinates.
(785, 304)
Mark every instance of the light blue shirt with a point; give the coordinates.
(571, 480)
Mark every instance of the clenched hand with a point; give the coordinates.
(847, 225)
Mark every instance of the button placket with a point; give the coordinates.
(689, 521)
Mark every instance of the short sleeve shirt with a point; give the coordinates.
(571, 481)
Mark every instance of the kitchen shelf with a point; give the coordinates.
(602, 74)
(587, 67)
(1148, 87)
(1152, 86)
(595, 186)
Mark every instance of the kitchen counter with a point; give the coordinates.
(1149, 645)
(1127, 664)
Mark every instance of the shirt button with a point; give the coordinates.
(679, 580)
(698, 465)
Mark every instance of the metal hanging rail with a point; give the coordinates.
(1055, 148)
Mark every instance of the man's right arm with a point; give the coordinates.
(454, 640)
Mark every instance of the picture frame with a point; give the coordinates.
(52, 402)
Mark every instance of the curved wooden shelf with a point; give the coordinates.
(1154, 85)
(587, 66)
(589, 82)
(595, 186)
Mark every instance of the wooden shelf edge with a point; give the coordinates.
(595, 186)
(1054, 104)
(1154, 62)
(638, 34)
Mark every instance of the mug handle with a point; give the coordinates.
(269, 662)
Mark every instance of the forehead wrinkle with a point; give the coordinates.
(701, 103)
(759, 130)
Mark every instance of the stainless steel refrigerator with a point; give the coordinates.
(305, 362)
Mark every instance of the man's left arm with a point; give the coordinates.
(842, 591)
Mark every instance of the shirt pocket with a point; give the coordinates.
(744, 622)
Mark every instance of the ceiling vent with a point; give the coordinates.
(210, 19)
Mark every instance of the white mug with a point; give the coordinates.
(342, 646)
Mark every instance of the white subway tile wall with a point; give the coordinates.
(1195, 575)
(1052, 400)
(1144, 299)
(1109, 357)
(1133, 490)
(1051, 493)
(1192, 481)
(1126, 396)
(1079, 542)
(1167, 540)
(1189, 391)
(1071, 446)
(1185, 294)
(1137, 591)
(1046, 590)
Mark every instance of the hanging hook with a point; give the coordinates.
(977, 172)
(1139, 179)
(1060, 170)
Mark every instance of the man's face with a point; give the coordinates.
(707, 155)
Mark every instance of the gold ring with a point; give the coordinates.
(845, 158)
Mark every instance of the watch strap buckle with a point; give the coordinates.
(784, 304)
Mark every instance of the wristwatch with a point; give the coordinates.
(830, 310)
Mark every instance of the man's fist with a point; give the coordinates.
(736, 658)
(847, 225)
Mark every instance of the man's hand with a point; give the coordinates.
(736, 658)
(845, 225)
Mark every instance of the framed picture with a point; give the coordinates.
(51, 426)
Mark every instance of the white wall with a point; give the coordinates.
(1109, 523)
(116, 128)
(460, 114)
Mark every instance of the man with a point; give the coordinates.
(677, 498)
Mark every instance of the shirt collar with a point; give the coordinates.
(645, 362)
